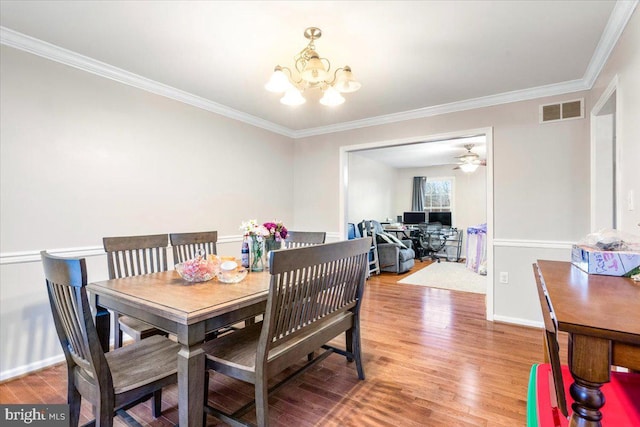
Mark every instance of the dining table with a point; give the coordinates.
(187, 310)
(601, 315)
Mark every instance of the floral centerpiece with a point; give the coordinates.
(276, 229)
(257, 233)
(277, 233)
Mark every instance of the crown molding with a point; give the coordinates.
(618, 20)
(620, 15)
(469, 104)
(50, 51)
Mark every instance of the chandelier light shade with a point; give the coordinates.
(313, 72)
(468, 167)
(331, 97)
(292, 96)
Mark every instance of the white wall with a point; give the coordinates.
(469, 197)
(541, 180)
(604, 179)
(625, 63)
(371, 189)
(541, 173)
(72, 145)
(83, 157)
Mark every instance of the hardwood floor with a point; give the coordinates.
(430, 358)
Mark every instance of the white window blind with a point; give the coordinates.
(438, 194)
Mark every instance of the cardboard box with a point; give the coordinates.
(606, 263)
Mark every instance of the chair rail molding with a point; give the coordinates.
(541, 244)
(34, 255)
(89, 251)
(78, 252)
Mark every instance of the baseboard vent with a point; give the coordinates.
(562, 111)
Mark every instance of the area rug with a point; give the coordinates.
(448, 275)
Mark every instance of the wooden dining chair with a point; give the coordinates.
(298, 239)
(549, 383)
(132, 256)
(187, 245)
(314, 296)
(112, 382)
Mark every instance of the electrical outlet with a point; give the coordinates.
(504, 277)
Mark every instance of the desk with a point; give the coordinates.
(602, 316)
(187, 310)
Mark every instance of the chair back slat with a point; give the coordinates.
(66, 279)
(187, 245)
(311, 284)
(136, 255)
(299, 239)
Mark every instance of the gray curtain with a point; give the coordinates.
(417, 200)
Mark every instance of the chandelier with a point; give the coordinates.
(313, 72)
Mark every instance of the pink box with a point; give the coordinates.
(606, 263)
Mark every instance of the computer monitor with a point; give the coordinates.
(414, 217)
(443, 218)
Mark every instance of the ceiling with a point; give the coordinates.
(423, 154)
(413, 58)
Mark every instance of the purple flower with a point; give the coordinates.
(277, 230)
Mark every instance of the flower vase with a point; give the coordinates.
(257, 252)
(271, 244)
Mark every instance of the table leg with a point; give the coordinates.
(191, 362)
(590, 365)
(103, 323)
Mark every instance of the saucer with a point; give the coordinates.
(232, 276)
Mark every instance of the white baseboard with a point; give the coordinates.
(518, 321)
(44, 363)
(31, 367)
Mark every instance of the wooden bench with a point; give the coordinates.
(314, 296)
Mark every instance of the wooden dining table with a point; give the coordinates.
(602, 316)
(187, 310)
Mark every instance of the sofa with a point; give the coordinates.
(394, 255)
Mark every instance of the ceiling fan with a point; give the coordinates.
(469, 161)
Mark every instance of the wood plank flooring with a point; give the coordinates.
(430, 358)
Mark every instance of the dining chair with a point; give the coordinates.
(549, 383)
(315, 294)
(187, 245)
(297, 239)
(112, 382)
(132, 256)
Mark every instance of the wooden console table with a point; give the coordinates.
(602, 316)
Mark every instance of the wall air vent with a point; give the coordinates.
(562, 111)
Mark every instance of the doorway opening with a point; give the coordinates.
(605, 157)
(487, 133)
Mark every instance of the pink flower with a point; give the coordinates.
(277, 230)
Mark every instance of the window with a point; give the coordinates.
(438, 195)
